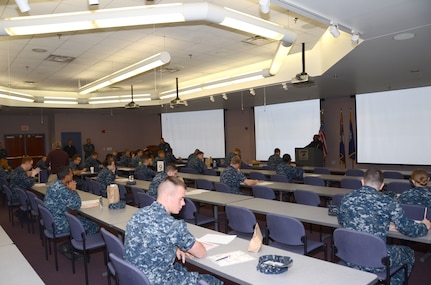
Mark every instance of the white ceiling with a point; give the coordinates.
(200, 49)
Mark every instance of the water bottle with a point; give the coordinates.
(214, 163)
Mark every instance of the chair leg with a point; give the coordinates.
(55, 254)
(86, 267)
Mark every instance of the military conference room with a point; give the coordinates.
(215, 142)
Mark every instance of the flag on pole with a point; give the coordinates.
(342, 157)
(322, 135)
(352, 148)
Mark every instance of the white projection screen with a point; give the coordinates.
(186, 131)
(394, 127)
(286, 126)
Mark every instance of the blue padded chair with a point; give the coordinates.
(364, 249)
(140, 176)
(321, 170)
(135, 191)
(204, 184)
(279, 178)
(263, 192)
(336, 199)
(3, 181)
(257, 175)
(305, 197)
(414, 212)
(50, 233)
(11, 205)
(43, 176)
(241, 221)
(144, 199)
(25, 207)
(190, 214)
(83, 242)
(95, 187)
(350, 183)
(34, 210)
(314, 180)
(115, 246)
(221, 187)
(128, 274)
(398, 187)
(289, 234)
(393, 174)
(355, 172)
(266, 167)
(211, 172)
(188, 170)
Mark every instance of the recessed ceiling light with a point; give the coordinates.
(404, 36)
(39, 50)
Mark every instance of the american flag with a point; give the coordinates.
(322, 136)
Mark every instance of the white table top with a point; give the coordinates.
(305, 270)
(4, 238)
(15, 269)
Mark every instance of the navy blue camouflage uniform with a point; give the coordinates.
(105, 178)
(80, 181)
(59, 199)
(274, 160)
(197, 164)
(144, 172)
(6, 174)
(151, 242)
(232, 177)
(19, 179)
(289, 171)
(154, 185)
(91, 162)
(368, 210)
(416, 196)
(124, 160)
(136, 160)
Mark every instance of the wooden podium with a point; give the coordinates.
(309, 156)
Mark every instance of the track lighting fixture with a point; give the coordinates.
(284, 85)
(224, 96)
(333, 29)
(264, 6)
(252, 92)
(93, 2)
(23, 5)
(355, 38)
(212, 99)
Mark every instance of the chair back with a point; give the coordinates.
(48, 219)
(321, 170)
(95, 187)
(211, 172)
(350, 183)
(188, 212)
(398, 187)
(279, 178)
(221, 187)
(313, 180)
(414, 212)
(204, 184)
(266, 167)
(359, 248)
(393, 174)
(122, 190)
(23, 199)
(43, 176)
(140, 176)
(8, 193)
(144, 199)
(188, 170)
(336, 199)
(135, 191)
(128, 274)
(305, 197)
(285, 229)
(32, 202)
(77, 230)
(240, 219)
(355, 172)
(257, 175)
(113, 244)
(263, 192)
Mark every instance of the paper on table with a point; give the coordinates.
(207, 245)
(196, 191)
(90, 204)
(230, 258)
(263, 183)
(220, 239)
(121, 180)
(39, 184)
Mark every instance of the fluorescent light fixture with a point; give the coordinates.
(280, 56)
(168, 96)
(12, 95)
(119, 99)
(60, 100)
(23, 5)
(127, 72)
(333, 29)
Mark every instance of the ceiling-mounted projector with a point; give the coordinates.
(302, 79)
(132, 104)
(177, 102)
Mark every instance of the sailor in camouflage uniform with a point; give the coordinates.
(170, 170)
(154, 238)
(197, 162)
(285, 168)
(106, 176)
(60, 196)
(232, 177)
(420, 195)
(19, 178)
(143, 171)
(275, 159)
(368, 210)
(137, 159)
